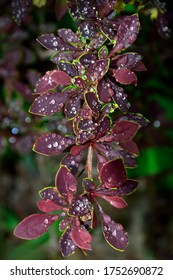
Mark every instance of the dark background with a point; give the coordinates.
(149, 216)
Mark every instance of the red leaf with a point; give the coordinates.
(34, 226)
(81, 238)
(60, 8)
(48, 206)
(115, 201)
(124, 131)
(52, 144)
(66, 244)
(113, 173)
(66, 183)
(131, 147)
(51, 80)
(125, 76)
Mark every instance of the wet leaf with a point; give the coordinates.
(48, 206)
(72, 162)
(127, 33)
(131, 147)
(125, 76)
(129, 60)
(34, 226)
(52, 42)
(81, 238)
(51, 144)
(93, 102)
(103, 52)
(115, 201)
(87, 29)
(88, 184)
(72, 106)
(127, 188)
(70, 37)
(104, 91)
(48, 103)
(51, 193)
(114, 233)
(97, 70)
(124, 131)
(51, 80)
(60, 8)
(66, 244)
(80, 206)
(66, 183)
(88, 59)
(113, 173)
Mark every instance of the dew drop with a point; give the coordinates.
(52, 102)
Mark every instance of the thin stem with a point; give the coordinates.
(90, 161)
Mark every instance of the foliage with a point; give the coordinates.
(88, 88)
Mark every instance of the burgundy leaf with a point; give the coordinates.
(48, 103)
(104, 91)
(127, 33)
(72, 107)
(127, 188)
(137, 118)
(131, 147)
(97, 70)
(86, 124)
(87, 8)
(104, 7)
(60, 8)
(51, 193)
(69, 36)
(103, 52)
(103, 127)
(88, 59)
(75, 150)
(114, 233)
(52, 144)
(72, 162)
(66, 244)
(79, 82)
(66, 222)
(101, 161)
(88, 184)
(62, 56)
(34, 226)
(66, 183)
(115, 201)
(97, 41)
(113, 173)
(128, 60)
(93, 102)
(69, 68)
(124, 131)
(125, 76)
(120, 97)
(49, 206)
(52, 42)
(81, 238)
(80, 206)
(51, 80)
(20, 9)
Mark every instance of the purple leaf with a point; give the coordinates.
(97, 41)
(120, 97)
(103, 127)
(49, 206)
(60, 8)
(72, 107)
(86, 124)
(97, 70)
(101, 161)
(131, 147)
(20, 9)
(124, 131)
(127, 188)
(92, 101)
(88, 59)
(69, 68)
(72, 162)
(104, 7)
(104, 91)
(103, 52)
(137, 118)
(52, 144)
(66, 183)
(51, 80)
(127, 33)
(69, 36)
(128, 60)
(66, 244)
(81, 238)
(77, 149)
(51, 193)
(125, 76)
(114, 233)
(87, 8)
(80, 206)
(88, 184)
(52, 42)
(115, 201)
(48, 103)
(62, 56)
(34, 226)
(87, 29)
(113, 173)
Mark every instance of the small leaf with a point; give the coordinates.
(87, 29)
(104, 127)
(114, 233)
(48, 206)
(52, 144)
(125, 76)
(52, 42)
(66, 244)
(127, 188)
(127, 33)
(124, 131)
(51, 80)
(51, 193)
(81, 238)
(34, 226)
(103, 52)
(113, 173)
(77, 149)
(131, 147)
(72, 107)
(120, 97)
(66, 183)
(60, 8)
(72, 162)
(48, 103)
(88, 59)
(93, 102)
(104, 91)
(129, 60)
(88, 184)
(115, 201)
(69, 36)
(97, 70)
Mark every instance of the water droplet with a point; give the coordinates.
(15, 130)
(52, 102)
(49, 146)
(46, 221)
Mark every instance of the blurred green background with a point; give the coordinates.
(149, 216)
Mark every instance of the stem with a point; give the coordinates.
(90, 161)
